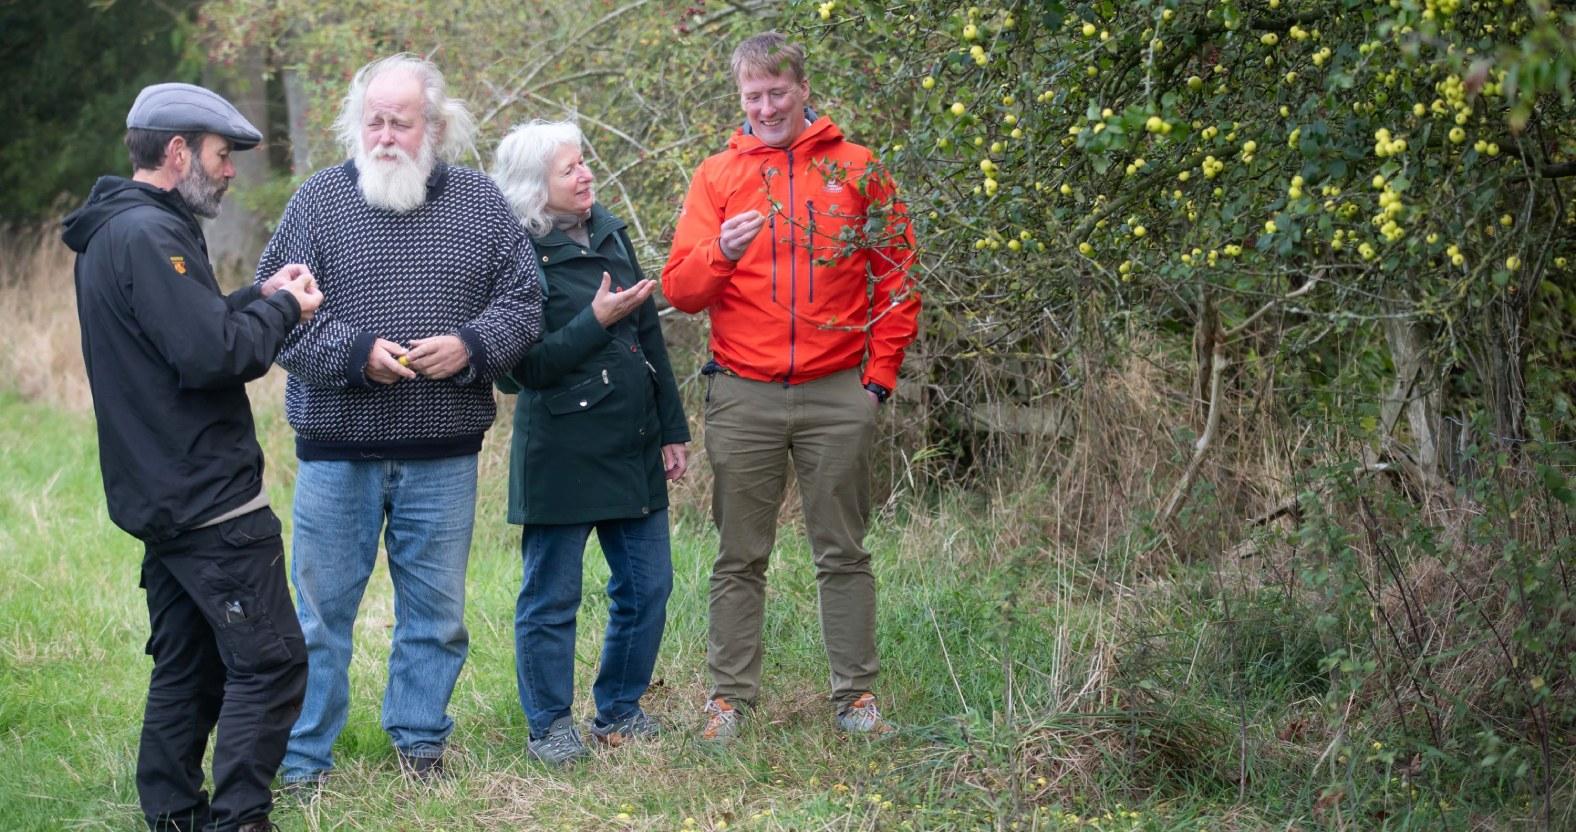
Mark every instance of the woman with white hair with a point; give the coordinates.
(598, 432)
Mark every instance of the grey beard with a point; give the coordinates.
(201, 193)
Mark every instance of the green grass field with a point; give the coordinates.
(1038, 686)
(72, 626)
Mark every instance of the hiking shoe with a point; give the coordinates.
(862, 717)
(722, 721)
(560, 746)
(257, 826)
(422, 766)
(637, 726)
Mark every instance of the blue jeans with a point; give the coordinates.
(424, 509)
(640, 560)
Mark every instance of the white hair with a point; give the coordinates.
(520, 167)
(451, 131)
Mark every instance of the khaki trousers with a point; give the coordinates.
(753, 429)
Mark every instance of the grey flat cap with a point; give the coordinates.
(185, 107)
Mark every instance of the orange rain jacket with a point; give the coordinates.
(824, 283)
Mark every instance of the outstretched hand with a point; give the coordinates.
(610, 307)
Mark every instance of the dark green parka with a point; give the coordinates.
(595, 404)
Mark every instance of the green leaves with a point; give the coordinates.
(1557, 484)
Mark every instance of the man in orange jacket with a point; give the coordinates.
(794, 242)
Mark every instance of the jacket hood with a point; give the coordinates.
(821, 129)
(112, 195)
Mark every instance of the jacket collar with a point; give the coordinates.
(600, 224)
(112, 195)
(820, 129)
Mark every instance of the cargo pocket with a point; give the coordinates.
(581, 397)
(250, 529)
(247, 636)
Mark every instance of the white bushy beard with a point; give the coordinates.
(391, 180)
(201, 191)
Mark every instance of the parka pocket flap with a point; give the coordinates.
(583, 396)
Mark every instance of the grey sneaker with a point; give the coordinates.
(862, 717)
(722, 721)
(560, 746)
(637, 726)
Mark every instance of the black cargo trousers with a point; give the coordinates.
(228, 652)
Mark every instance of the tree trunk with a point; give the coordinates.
(1416, 392)
(236, 237)
(298, 104)
(1505, 350)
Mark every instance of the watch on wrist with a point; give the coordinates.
(879, 391)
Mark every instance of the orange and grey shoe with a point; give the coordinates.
(862, 717)
(722, 721)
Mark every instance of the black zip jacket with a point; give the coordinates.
(168, 358)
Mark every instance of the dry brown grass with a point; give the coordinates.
(38, 315)
(38, 312)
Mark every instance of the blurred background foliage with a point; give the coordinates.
(72, 69)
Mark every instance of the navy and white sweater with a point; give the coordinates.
(460, 264)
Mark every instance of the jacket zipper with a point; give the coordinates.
(809, 208)
(774, 257)
(793, 276)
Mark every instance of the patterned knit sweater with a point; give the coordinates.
(460, 264)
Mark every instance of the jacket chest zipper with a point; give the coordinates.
(809, 210)
(793, 277)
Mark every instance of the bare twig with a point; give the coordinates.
(516, 85)
(1271, 304)
(1201, 447)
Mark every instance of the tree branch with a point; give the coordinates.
(1201, 447)
(1271, 304)
(518, 83)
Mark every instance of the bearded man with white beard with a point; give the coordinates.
(435, 293)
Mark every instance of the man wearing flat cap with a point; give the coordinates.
(168, 357)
